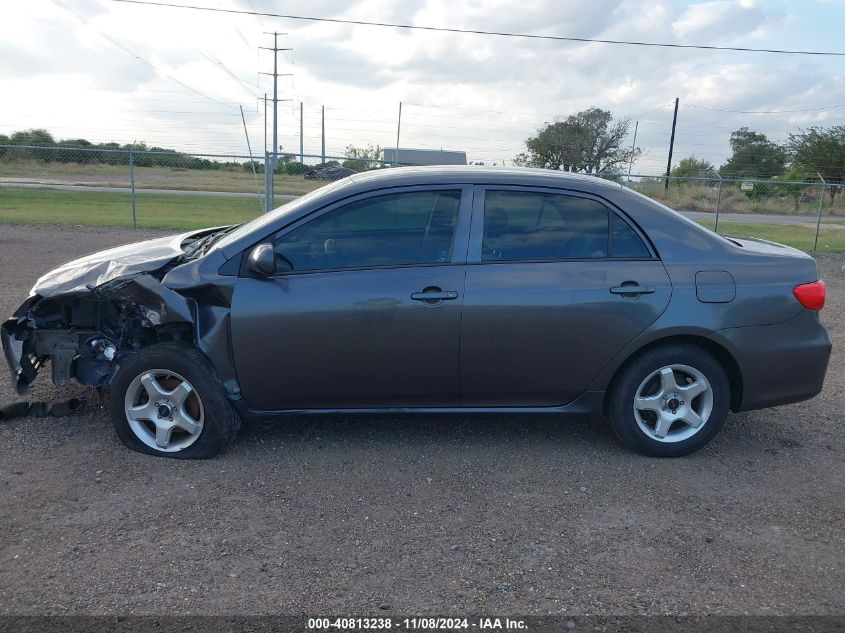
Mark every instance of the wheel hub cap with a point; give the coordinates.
(163, 410)
(673, 403)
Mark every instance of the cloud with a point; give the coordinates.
(721, 21)
(480, 93)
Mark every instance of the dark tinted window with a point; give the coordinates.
(626, 243)
(520, 225)
(400, 229)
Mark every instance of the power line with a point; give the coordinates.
(830, 107)
(130, 52)
(558, 38)
(211, 57)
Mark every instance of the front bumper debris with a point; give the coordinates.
(83, 336)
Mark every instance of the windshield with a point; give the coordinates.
(268, 218)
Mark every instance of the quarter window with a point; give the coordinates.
(402, 229)
(626, 243)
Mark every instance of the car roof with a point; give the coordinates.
(478, 174)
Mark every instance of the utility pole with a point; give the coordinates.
(633, 149)
(671, 146)
(398, 126)
(301, 138)
(323, 132)
(275, 74)
(269, 158)
(267, 182)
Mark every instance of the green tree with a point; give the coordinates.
(792, 185)
(821, 151)
(363, 158)
(35, 136)
(753, 156)
(693, 166)
(588, 141)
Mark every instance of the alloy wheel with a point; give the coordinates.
(673, 403)
(164, 410)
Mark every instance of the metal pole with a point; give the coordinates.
(271, 192)
(671, 145)
(301, 138)
(251, 161)
(633, 147)
(275, 149)
(718, 204)
(268, 182)
(398, 126)
(265, 122)
(132, 185)
(819, 220)
(323, 132)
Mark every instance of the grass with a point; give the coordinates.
(229, 179)
(188, 211)
(779, 199)
(182, 212)
(800, 237)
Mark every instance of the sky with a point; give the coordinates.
(108, 71)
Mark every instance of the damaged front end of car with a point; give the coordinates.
(84, 336)
(86, 316)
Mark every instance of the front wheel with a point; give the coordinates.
(670, 401)
(167, 401)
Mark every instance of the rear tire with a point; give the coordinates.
(669, 401)
(167, 401)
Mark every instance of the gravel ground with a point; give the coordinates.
(418, 516)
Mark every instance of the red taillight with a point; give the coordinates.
(811, 295)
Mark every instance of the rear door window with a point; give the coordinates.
(526, 226)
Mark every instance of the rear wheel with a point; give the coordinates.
(167, 401)
(670, 401)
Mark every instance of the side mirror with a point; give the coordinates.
(261, 260)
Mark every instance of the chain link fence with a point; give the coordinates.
(724, 203)
(148, 187)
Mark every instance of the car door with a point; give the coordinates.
(364, 309)
(557, 283)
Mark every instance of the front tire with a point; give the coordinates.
(168, 401)
(669, 401)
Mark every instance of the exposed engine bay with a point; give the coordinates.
(83, 337)
(87, 315)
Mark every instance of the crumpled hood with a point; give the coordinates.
(80, 275)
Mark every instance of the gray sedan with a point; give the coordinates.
(434, 290)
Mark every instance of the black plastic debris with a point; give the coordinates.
(73, 406)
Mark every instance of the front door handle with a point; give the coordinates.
(632, 289)
(433, 295)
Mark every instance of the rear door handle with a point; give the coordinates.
(632, 290)
(434, 295)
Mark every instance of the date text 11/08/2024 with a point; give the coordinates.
(422, 623)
